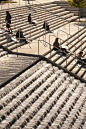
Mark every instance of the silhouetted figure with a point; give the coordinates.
(28, 2)
(29, 18)
(19, 35)
(45, 25)
(8, 20)
(8, 17)
(57, 47)
(81, 58)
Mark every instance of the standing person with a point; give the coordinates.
(28, 2)
(29, 18)
(45, 25)
(8, 20)
(19, 35)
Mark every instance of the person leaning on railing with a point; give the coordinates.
(58, 47)
(81, 58)
(19, 36)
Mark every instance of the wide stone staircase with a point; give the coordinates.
(59, 10)
(31, 32)
(36, 94)
(75, 43)
(12, 64)
(43, 97)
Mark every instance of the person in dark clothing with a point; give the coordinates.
(8, 17)
(19, 35)
(29, 18)
(8, 20)
(28, 2)
(57, 47)
(81, 58)
(45, 25)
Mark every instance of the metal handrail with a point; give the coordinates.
(58, 38)
(17, 11)
(73, 54)
(64, 32)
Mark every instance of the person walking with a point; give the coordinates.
(8, 21)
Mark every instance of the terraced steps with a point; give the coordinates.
(11, 65)
(31, 32)
(67, 14)
(75, 44)
(43, 96)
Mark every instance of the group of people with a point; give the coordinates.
(65, 51)
(19, 34)
(45, 24)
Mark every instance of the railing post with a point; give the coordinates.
(25, 2)
(49, 45)
(19, 35)
(1, 5)
(57, 33)
(78, 30)
(38, 47)
(43, 37)
(49, 38)
(0, 20)
(67, 36)
(45, 33)
(30, 34)
(7, 40)
(16, 49)
(66, 60)
(81, 45)
(30, 31)
(50, 49)
(60, 41)
(69, 27)
(19, 3)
